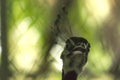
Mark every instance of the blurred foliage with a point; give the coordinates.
(34, 53)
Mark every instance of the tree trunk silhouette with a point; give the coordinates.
(4, 43)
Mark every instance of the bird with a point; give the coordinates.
(75, 53)
(74, 57)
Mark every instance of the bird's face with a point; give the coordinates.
(75, 54)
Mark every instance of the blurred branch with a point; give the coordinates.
(60, 26)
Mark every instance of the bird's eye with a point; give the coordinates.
(69, 46)
(78, 43)
(81, 45)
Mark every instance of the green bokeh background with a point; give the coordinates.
(30, 34)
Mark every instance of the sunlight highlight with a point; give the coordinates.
(26, 40)
(98, 8)
(56, 53)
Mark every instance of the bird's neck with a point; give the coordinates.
(72, 75)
